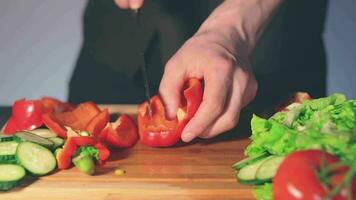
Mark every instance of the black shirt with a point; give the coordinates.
(289, 55)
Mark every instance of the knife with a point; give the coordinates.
(141, 51)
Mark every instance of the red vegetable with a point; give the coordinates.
(77, 119)
(64, 157)
(54, 105)
(122, 133)
(26, 115)
(297, 177)
(159, 131)
(98, 123)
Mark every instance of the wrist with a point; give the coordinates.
(239, 22)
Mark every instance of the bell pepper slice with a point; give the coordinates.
(121, 133)
(159, 131)
(64, 157)
(54, 105)
(26, 115)
(78, 119)
(54, 125)
(98, 123)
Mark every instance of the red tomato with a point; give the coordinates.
(297, 177)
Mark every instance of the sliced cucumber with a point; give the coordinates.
(247, 174)
(57, 141)
(247, 161)
(30, 137)
(5, 138)
(43, 132)
(10, 176)
(35, 158)
(269, 168)
(7, 152)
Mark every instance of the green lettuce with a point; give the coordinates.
(327, 123)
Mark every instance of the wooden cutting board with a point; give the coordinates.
(201, 170)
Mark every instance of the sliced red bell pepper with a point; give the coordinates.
(26, 115)
(54, 125)
(64, 157)
(159, 131)
(78, 119)
(54, 105)
(121, 133)
(98, 123)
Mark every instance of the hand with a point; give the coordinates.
(129, 4)
(229, 83)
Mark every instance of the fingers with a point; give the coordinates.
(129, 4)
(212, 106)
(170, 87)
(124, 4)
(243, 91)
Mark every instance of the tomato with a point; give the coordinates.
(297, 177)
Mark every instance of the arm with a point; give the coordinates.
(218, 53)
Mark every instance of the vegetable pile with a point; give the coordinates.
(74, 134)
(308, 148)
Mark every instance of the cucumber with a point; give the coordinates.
(30, 137)
(43, 132)
(57, 141)
(35, 158)
(247, 174)
(247, 161)
(269, 168)
(6, 138)
(7, 152)
(10, 175)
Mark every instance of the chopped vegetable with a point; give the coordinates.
(35, 158)
(119, 172)
(10, 176)
(158, 131)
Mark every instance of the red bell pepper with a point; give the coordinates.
(77, 119)
(54, 105)
(64, 157)
(121, 133)
(26, 115)
(98, 123)
(159, 131)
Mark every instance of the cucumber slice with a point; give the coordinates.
(35, 158)
(10, 176)
(30, 137)
(43, 132)
(7, 152)
(247, 161)
(247, 174)
(6, 138)
(57, 141)
(269, 168)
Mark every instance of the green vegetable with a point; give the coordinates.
(23, 136)
(43, 132)
(35, 158)
(263, 192)
(327, 123)
(84, 159)
(7, 152)
(6, 138)
(10, 176)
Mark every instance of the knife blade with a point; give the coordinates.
(141, 52)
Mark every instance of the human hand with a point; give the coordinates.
(129, 4)
(228, 83)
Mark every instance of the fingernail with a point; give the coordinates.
(187, 137)
(135, 4)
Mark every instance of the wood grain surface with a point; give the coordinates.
(201, 170)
